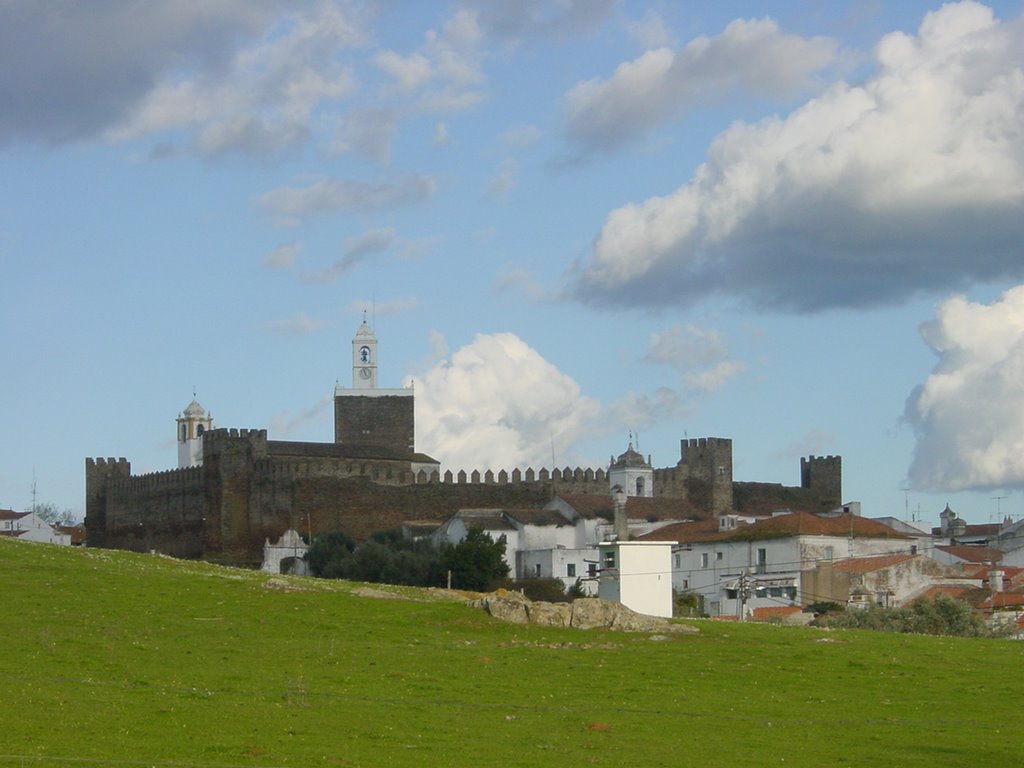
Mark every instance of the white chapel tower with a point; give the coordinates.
(192, 423)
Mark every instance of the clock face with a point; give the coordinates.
(364, 373)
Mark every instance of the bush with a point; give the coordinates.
(944, 615)
(384, 558)
(547, 590)
(477, 562)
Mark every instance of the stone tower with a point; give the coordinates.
(375, 421)
(192, 423)
(708, 461)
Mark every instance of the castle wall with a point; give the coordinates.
(249, 489)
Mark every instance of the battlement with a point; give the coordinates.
(110, 467)
(158, 481)
(224, 433)
(705, 442)
(517, 476)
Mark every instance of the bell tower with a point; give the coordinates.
(372, 422)
(364, 357)
(192, 423)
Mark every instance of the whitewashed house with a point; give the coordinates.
(28, 526)
(560, 540)
(737, 566)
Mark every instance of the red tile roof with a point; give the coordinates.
(973, 554)
(591, 505)
(780, 526)
(10, 514)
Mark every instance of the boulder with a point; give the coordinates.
(585, 613)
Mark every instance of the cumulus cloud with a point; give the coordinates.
(912, 181)
(749, 55)
(72, 70)
(332, 196)
(445, 72)
(497, 404)
(968, 415)
(700, 355)
(265, 95)
(503, 181)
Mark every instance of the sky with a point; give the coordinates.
(572, 224)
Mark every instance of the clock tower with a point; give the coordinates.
(372, 422)
(364, 358)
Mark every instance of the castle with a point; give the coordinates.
(235, 488)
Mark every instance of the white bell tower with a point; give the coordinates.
(192, 423)
(364, 358)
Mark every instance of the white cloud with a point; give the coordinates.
(503, 181)
(520, 136)
(748, 55)
(441, 135)
(265, 97)
(969, 414)
(282, 256)
(327, 196)
(913, 181)
(445, 73)
(497, 404)
(699, 354)
(523, 283)
(650, 31)
(368, 133)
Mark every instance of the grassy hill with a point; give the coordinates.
(121, 659)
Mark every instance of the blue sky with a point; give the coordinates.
(796, 225)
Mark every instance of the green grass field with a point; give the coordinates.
(121, 659)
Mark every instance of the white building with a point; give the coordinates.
(28, 526)
(637, 574)
(559, 541)
(735, 565)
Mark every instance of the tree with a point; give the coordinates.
(52, 515)
(477, 562)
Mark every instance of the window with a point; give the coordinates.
(830, 553)
(675, 561)
(537, 570)
(704, 560)
(686, 583)
(639, 486)
(609, 558)
(183, 433)
(718, 556)
(199, 430)
(761, 562)
(570, 570)
(591, 570)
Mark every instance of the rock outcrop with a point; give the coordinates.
(585, 613)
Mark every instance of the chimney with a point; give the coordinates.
(995, 580)
(621, 523)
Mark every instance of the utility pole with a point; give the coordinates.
(744, 594)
